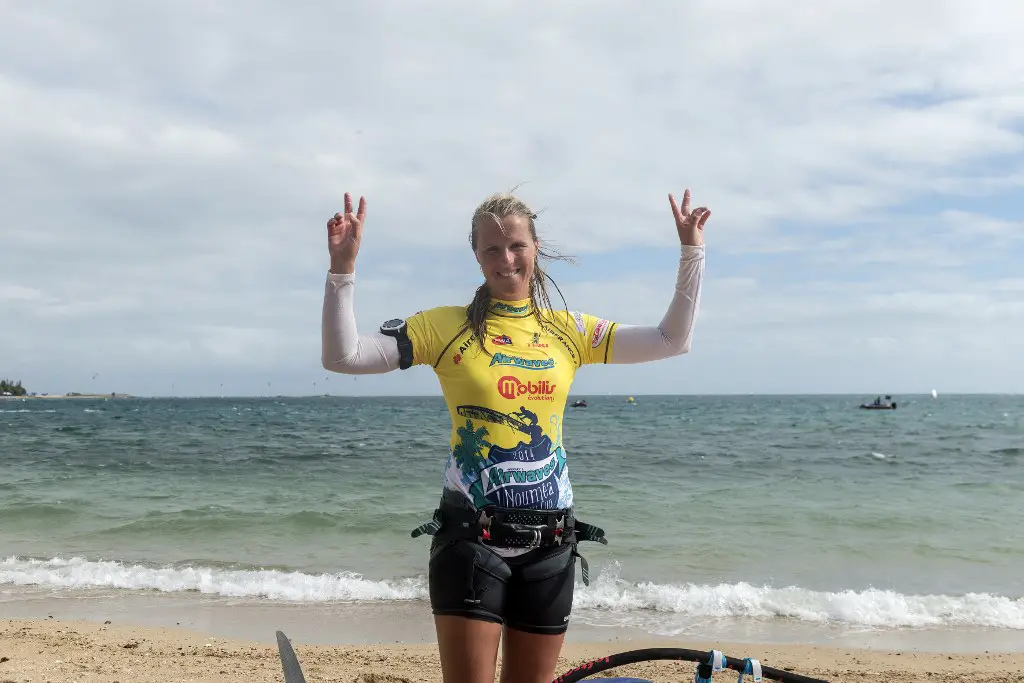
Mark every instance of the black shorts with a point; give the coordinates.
(531, 592)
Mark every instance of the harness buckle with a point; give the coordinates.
(508, 527)
(484, 524)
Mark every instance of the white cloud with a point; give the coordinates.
(15, 293)
(169, 169)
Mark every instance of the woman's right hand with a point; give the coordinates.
(343, 234)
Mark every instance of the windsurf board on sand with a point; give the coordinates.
(292, 670)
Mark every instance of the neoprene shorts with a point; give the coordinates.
(531, 592)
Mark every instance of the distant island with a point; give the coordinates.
(11, 389)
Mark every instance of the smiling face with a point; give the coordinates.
(507, 254)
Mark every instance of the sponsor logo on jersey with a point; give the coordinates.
(457, 358)
(502, 340)
(600, 329)
(553, 332)
(536, 342)
(512, 388)
(580, 324)
(522, 363)
(464, 346)
(501, 306)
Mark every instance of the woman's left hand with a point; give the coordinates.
(690, 224)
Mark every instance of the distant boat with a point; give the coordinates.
(880, 404)
(579, 404)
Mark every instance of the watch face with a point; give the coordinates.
(393, 324)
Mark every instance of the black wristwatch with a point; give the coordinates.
(397, 328)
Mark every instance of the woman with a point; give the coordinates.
(502, 560)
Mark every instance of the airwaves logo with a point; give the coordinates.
(522, 363)
(510, 387)
(508, 308)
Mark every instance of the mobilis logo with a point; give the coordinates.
(510, 387)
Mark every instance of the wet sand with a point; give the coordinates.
(57, 650)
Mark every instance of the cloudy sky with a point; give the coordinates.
(168, 169)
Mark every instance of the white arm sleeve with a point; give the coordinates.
(672, 337)
(343, 348)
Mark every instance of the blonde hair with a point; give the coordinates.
(499, 206)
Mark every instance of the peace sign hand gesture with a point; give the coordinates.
(690, 225)
(343, 234)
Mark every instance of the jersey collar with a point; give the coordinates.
(511, 309)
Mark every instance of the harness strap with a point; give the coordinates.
(514, 528)
(430, 528)
(589, 532)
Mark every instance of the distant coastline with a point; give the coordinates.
(72, 394)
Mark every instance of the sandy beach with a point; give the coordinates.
(38, 650)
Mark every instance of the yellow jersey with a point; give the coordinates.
(507, 404)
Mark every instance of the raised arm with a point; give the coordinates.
(674, 334)
(343, 348)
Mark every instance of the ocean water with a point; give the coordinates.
(762, 509)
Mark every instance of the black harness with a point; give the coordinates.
(512, 528)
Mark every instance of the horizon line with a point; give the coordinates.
(123, 395)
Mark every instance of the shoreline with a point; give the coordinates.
(371, 623)
(75, 650)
